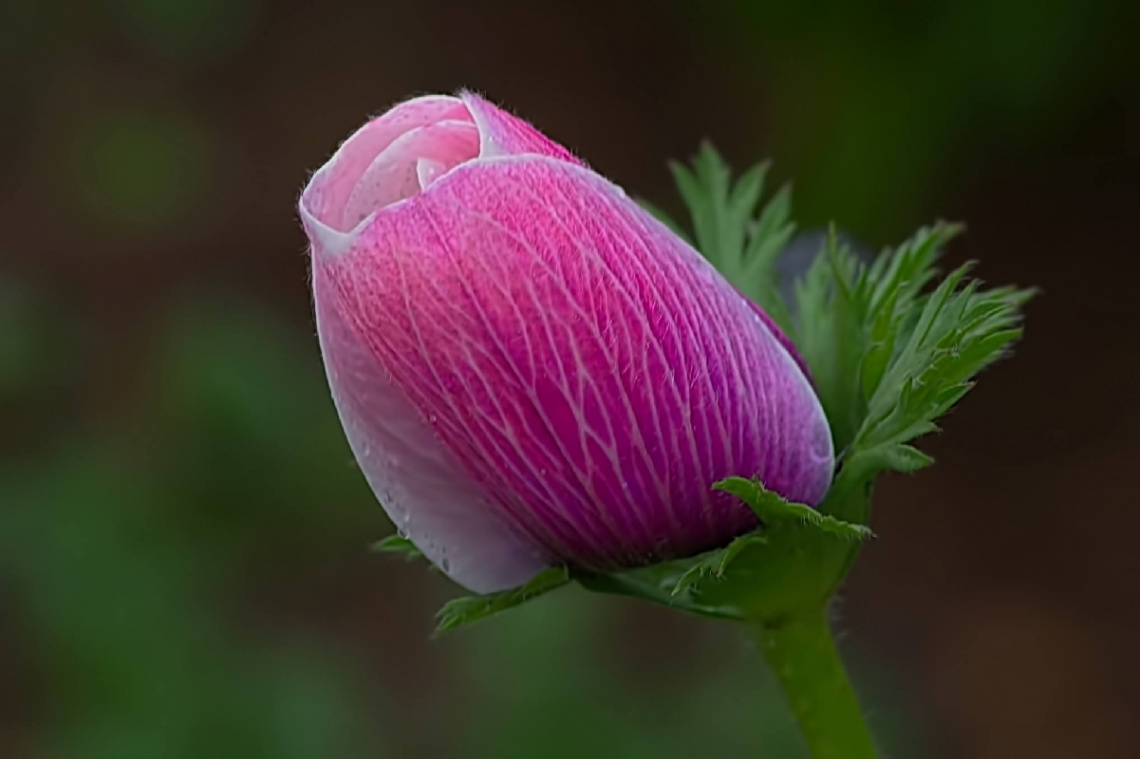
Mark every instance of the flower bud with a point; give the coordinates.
(530, 369)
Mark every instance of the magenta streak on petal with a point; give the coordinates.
(379, 286)
(683, 350)
(638, 341)
(590, 371)
(556, 414)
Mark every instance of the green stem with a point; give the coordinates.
(802, 655)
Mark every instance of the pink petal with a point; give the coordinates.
(783, 339)
(590, 373)
(503, 134)
(429, 496)
(333, 184)
(393, 174)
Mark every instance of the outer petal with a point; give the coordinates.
(420, 484)
(591, 372)
(501, 134)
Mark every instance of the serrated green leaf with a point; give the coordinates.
(773, 229)
(655, 584)
(884, 333)
(887, 359)
(773, 509)
(397, 544)
(899, 457)
(714, 564)
(468, 609)
(833, 334)
(740, 243)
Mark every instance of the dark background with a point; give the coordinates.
(183, 536)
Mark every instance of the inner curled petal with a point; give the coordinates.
(394, 174)
(323, 200)
(401, 153)
(427, 170)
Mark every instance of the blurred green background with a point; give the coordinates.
(183, 535)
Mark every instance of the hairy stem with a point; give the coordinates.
(802, 655)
